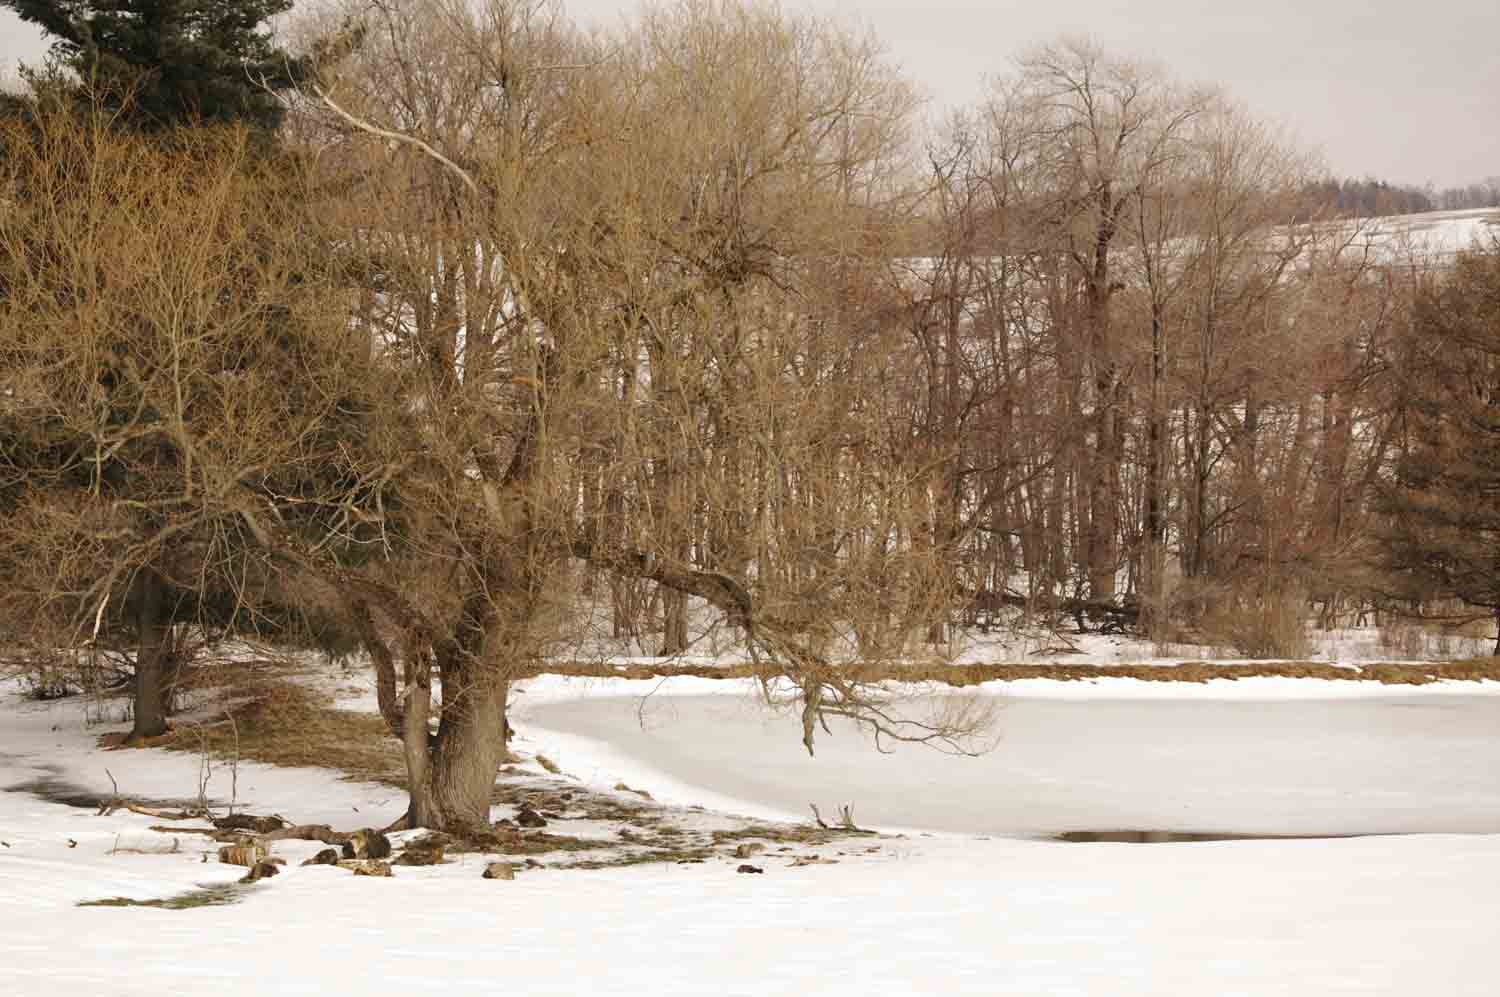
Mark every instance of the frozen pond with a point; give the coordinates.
(1401, 763)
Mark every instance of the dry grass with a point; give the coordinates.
(621, 859)
(541, 843)
(960, 676)
(281, 722)
(782, 834)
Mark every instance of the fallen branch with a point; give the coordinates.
(248, 822)
(118, 802)
(162, 828)
(846, 820)
(110, 806)
(308, 832)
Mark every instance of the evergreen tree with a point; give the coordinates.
(180, 60)
(1444, 497)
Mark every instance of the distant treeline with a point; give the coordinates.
(1369, 197)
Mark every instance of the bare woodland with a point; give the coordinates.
(518, 331)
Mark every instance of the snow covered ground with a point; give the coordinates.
(1431, 233)
(960, 909)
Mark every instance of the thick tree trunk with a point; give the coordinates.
(450, 772)
(452, 782)
(153, 673)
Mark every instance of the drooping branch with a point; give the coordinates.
(411, 140)
(718, 590)
(822, 687)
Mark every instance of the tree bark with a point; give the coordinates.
(152, 660)
(453, 771)
(1156, 526)
(674, 607)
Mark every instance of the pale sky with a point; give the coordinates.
(1405, 91)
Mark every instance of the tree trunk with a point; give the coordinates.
(453, 779)
(152, 659)
(674, 607)
(1104, 497)
(1156, 526)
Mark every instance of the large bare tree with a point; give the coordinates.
(622, 276)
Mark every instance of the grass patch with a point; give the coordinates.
(542, 843)
(796, 834)
(217, 895)
(651, 856)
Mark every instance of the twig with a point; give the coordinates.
(640, 707)
(234, 762)
(205, 770)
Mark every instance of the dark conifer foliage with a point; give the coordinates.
(1444, 501)
(182, 60)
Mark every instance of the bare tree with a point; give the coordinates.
(621, 276)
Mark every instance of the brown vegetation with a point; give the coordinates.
(960, 676)
(283, 722)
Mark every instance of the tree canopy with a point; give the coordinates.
(179, 60)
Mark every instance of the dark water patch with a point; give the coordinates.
(1167, 837)
(1400, 704)
(213, 895)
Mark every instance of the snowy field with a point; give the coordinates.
(1434, 233)
(968, 899)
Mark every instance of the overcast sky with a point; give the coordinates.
(1407, 91)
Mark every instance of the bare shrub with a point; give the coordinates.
(1263, 619)
(1403, 638)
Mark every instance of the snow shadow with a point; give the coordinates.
(54, 788)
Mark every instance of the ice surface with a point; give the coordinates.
(1082, 757)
